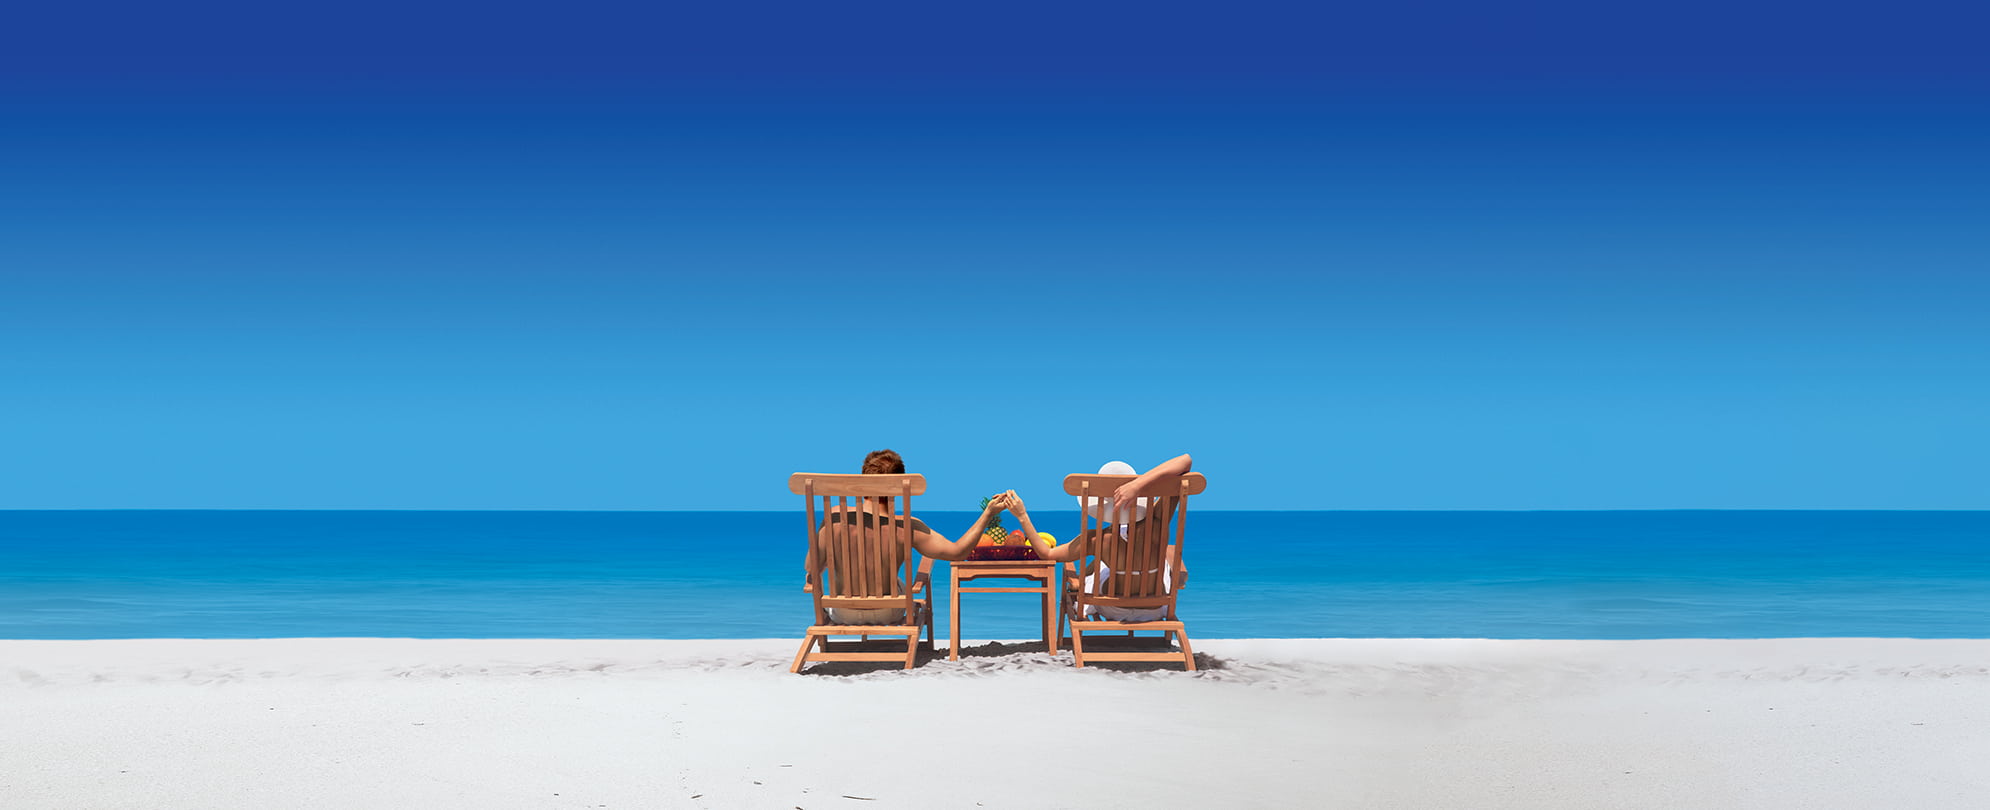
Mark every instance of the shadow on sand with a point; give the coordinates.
(1019, 654)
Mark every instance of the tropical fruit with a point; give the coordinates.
(994, 534)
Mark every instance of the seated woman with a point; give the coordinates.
(1127, 506)
(870, 513)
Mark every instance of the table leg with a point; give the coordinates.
(1049, 635)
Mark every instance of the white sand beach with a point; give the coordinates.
(393, 723)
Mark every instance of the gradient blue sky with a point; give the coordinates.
(1436, 255)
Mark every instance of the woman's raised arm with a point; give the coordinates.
(1138, 486)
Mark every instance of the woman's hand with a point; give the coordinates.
(997, 503)
(1015, 503)
(1125, 494)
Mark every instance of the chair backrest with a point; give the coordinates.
(859, 556)
(1138, 561)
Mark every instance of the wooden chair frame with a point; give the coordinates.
(855, 569)
(1137, 565)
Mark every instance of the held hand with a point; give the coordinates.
(1015, 504)
(997, 503)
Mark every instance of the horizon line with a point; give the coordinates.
(970, 511)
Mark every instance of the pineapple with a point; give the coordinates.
(994, 534)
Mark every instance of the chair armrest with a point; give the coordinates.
(808, 587)
(921, 583)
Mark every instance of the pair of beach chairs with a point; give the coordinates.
(869, 565)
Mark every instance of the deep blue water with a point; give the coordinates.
(121, 574)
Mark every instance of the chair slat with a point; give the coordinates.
(867, 550)
(909, 569)
(815, 559)
(1084, 529)
(1117, 543)
(827, 536)
(860, 559)
(886, 542)
(1181, 527)
(1157, 545)
(845, 575)
(814, 548)
(1136, 552)
(1145, 556)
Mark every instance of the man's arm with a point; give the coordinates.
(935, 545)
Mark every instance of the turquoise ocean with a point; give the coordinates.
(1619, 575)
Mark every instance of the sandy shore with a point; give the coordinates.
(351, 723)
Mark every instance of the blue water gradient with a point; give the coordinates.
(131, 574)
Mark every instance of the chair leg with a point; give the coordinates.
(1044, 623)
(1188, 653)
(1077, 648)
(953, 621)
(929, 628)
(1063, 616)
(1066, 614)
(802, 656)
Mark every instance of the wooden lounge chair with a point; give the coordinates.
(863, 564)
(1152, 546)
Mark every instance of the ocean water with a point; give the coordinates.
(228, 574)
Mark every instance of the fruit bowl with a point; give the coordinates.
(1001, 553)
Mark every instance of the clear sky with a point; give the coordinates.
(1437, 255)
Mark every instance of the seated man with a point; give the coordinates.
(930, 543)
(1116, 514)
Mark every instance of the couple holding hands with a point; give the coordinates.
(1127, 506)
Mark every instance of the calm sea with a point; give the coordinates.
(67, 575)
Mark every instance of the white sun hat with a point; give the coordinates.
(1102, 508)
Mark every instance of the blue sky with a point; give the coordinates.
(1429, 256)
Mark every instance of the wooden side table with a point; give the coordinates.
(1042, 575)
